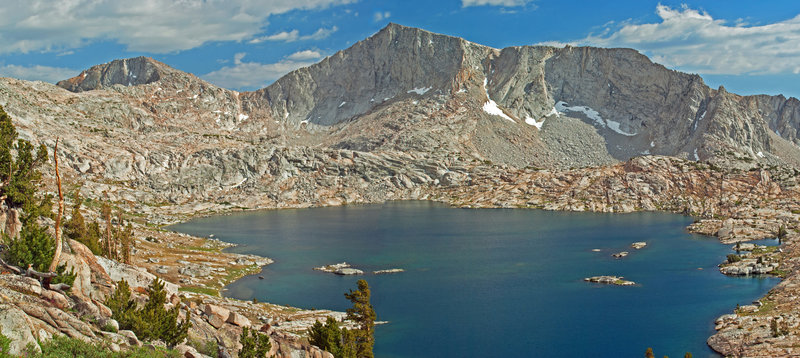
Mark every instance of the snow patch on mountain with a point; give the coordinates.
(420, 90)
(491, 107)
(590, 113)
(534, 123)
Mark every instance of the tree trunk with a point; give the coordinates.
(57, 255)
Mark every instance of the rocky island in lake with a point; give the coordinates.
(610, 280)
(342, 268)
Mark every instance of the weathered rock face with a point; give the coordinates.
(135, 276)
(398, 115)
(394, 62)
(15, 325)
(127, 72)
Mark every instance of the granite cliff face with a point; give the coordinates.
(626, 105)
(400, 114)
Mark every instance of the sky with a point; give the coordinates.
(750, 47)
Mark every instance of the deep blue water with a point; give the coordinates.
(496, 282)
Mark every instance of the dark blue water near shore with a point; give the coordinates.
(496, 282)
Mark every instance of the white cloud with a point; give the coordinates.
(37, 73)
(157, 26)
(506, 3)
(304, 55)
(290, 36)
(694, 41)
(237, 57)
(321, 33)
(380, 16)
(252, 75)
(294, 35)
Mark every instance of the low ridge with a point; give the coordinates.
(126, 72)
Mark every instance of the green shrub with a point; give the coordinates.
(5, 346)
(254, 344)
(35, 247)
(209, 347)
(62, 346)
(734, 258)
(21, 172)
(151, 322)
(77, 229)
(329, 337)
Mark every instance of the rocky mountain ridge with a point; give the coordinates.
(620, 104)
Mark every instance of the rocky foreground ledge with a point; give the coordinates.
(29, 313)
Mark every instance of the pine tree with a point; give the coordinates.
(363, 314)
(123, 240)
(152, 321)
(126, 242)
(120, 303)
(254, 344)
(34, 246)
(76, 228)
(20, 176)
(108, 247)
(329, 337)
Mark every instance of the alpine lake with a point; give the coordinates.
(495, 282)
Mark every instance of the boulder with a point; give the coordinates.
(21, 284)
(726, 230)
(108, 324)
(201, 330)
(102, 309)
(228, 337)
(91, 279)
(16, 325)
(87, 308)
(238, 319)
(214, 310)
(195, 270)
(216, 321)
(189, 351)
(136, 277)
(56, 298)
(133, 341)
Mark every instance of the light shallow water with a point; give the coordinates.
(496, 282)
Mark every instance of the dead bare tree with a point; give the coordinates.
(57, 255)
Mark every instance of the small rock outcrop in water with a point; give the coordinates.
(638, 245)
(610, 280)
(620, 255)
(394, 270)
(342, 268)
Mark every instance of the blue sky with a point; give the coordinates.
(749, 47)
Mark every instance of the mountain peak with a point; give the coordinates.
(127, 72)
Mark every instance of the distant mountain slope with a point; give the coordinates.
(636, 106)
(399, 113)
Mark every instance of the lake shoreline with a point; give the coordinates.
(451, 206)
(761, 205)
